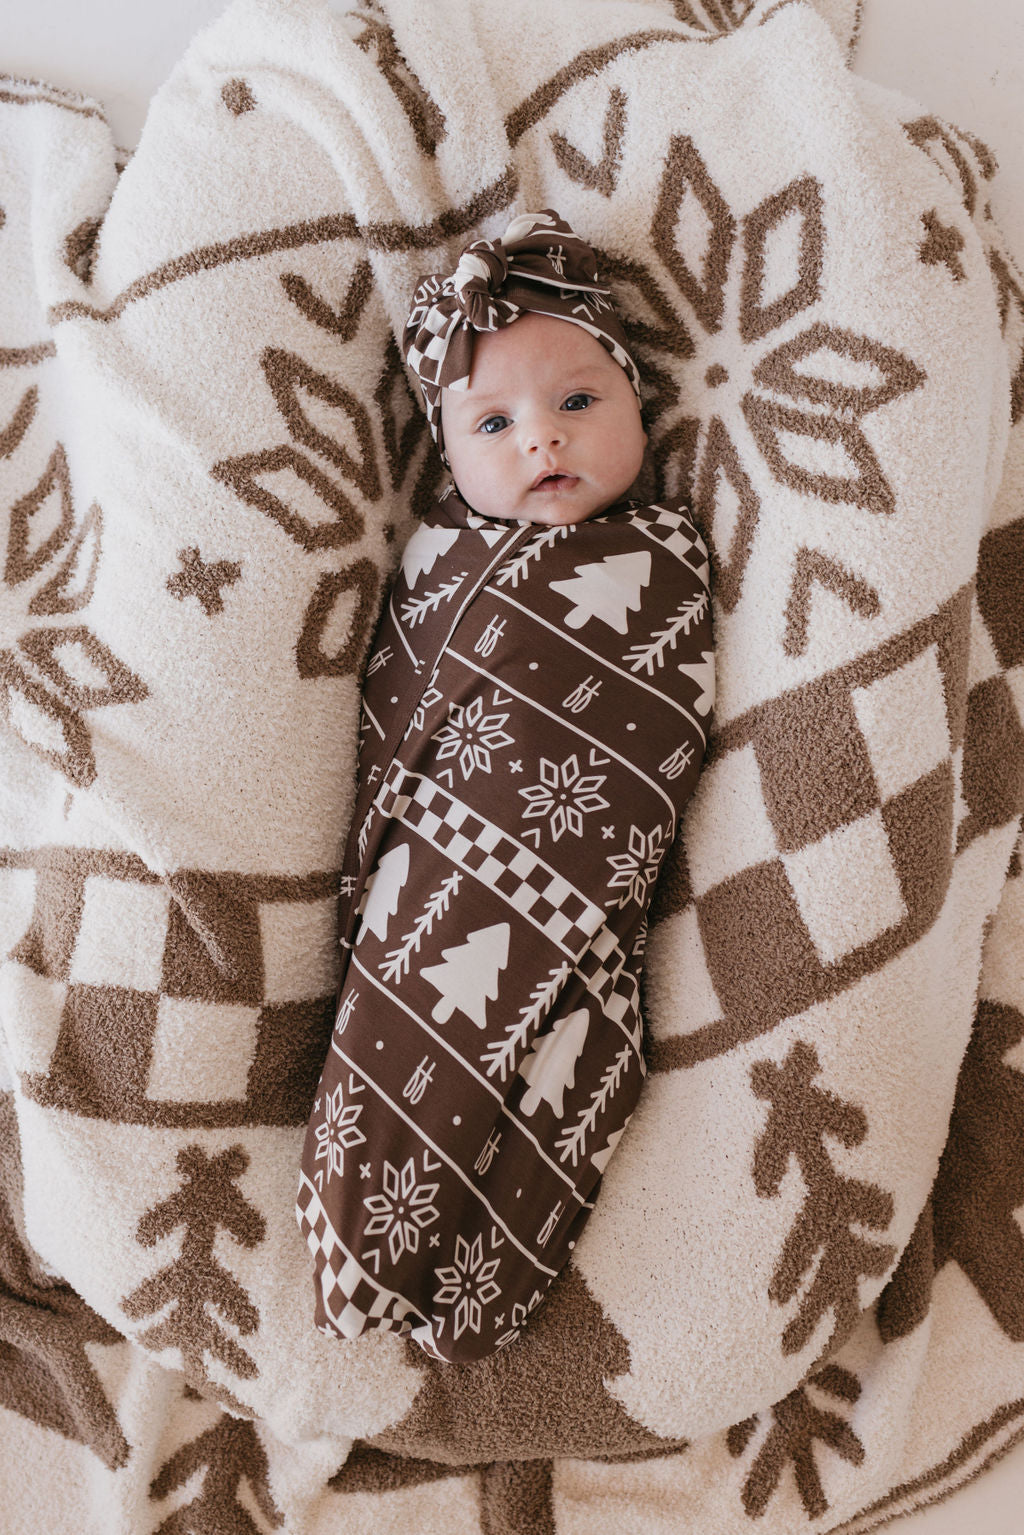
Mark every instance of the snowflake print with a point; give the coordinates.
(472, 735)
(468, 1284)
(57, 669)
(637, 868)
(563, 796)
(338, 1132)
(402, 1210)
(783, 393)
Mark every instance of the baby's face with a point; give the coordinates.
(549, 429)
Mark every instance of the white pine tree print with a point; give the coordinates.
(550, 1066)
(423, 551)
(500, 1054)
(468, 978)
(601, 1158)
(609, 590)
(703, 674)
(380, 898)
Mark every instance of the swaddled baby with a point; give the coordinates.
(536, 707)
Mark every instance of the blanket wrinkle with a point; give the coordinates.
(798, 1299)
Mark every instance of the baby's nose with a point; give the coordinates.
(545, 432)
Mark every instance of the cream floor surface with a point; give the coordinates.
(963, 59)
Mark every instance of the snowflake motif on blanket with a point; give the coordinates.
(564, 795)
(637, 868)
(472, 735)
(796, 401)
(338, 1131)
(402, 1209)
(61, 668)
(468, 1284)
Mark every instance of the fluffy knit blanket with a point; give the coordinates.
(799, 1303)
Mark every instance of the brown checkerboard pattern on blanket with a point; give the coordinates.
(832, 798)
(197, 1000)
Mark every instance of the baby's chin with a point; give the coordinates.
(556, 517)
(554, 510)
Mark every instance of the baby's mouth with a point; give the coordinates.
(554, 480)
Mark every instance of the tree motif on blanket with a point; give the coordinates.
(798, 1426)
(801, 1117)
(971, 1218)
(58, 671)
(227, 1454)
(515, 1495)
(800, 403)
(549, 1394)
(196, 1286)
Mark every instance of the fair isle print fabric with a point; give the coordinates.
(797, 1304)
(535, 713)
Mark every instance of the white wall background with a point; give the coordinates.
(961, 59)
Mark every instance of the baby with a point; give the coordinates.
(535, 715)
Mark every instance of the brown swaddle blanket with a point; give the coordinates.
(535, 715)
(210, 458)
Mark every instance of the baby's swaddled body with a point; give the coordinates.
(536, 708)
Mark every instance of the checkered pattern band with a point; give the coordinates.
(104, 938)
(678, 533)
(350, 1299)
(524, 881)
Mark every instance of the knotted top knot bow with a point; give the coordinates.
(539, 266)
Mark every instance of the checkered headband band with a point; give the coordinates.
(539, 266)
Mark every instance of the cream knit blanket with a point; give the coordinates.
(800, 1301)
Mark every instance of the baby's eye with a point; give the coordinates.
(494, 424)
(578, 401)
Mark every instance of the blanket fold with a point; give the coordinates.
(806, 1253)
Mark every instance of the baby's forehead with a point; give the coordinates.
(535, 346)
